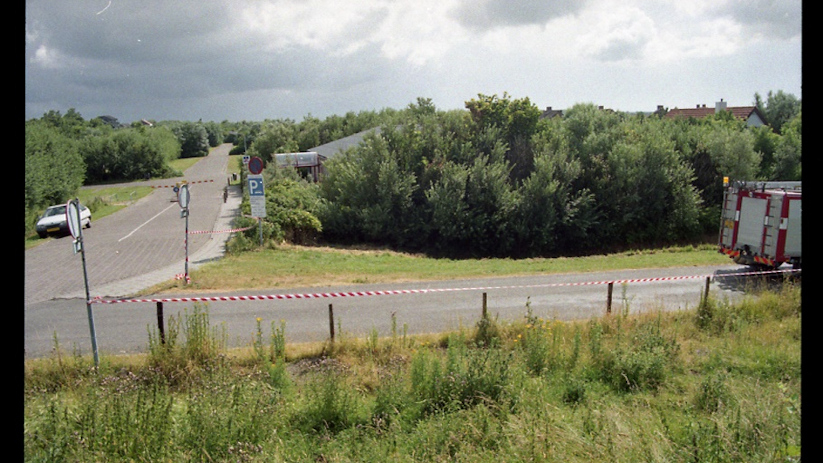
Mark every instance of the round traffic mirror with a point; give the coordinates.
(73, 218)
(183, 196)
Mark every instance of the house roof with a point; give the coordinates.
(739, 112)
(550, 113)
(330, 149)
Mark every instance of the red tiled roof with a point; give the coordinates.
(739, 112)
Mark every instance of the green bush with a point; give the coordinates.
(468, 376)
(643, 364)
(331, 405)
(189, 341)
(249, 239)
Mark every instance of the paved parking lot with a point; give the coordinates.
(141, 245)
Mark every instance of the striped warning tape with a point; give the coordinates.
(220, 231)
(417, 291)
(186, 182)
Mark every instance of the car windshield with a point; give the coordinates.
(52, 211)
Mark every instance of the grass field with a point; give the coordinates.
(300, 266)
(721, 383)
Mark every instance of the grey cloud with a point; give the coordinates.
(127, 31)
(489, 14)
(772, 18)
(621, 49)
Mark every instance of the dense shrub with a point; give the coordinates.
(495, 180)
(54, 168)
(129, 154)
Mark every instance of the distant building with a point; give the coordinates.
(328, 150)
(550, 113)
(750, 114)
(309, 163)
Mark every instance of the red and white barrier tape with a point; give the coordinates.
(415, 291)
(187, 183)
(219, 231)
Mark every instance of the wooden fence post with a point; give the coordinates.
(485, 307)
(331, 322)
(609, 298)
(160, 323)
(706, 293)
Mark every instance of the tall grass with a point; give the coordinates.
(720, 383)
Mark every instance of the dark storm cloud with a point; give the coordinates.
(146, 31)
(83, 53)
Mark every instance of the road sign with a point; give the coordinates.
(257, 195)
(255, 165)
(73, 218)
(256, 185)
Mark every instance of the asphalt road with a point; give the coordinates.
(143, 245)
(124, 327)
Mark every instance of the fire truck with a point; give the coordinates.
(760, 223)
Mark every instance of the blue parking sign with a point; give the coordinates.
(257, 196)
(256, 185)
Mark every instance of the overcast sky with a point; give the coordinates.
(252, 60)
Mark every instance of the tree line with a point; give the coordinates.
(497, 180)
(493, 179)
(64, 152)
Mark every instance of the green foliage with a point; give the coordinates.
(192, 136)
(779, 108)
(466, 378)
(473, 208)
(455, 184)
(331, 404)
(189, 343)
(214, 131)
(490, 180)
(130, 154)
(367, 196)
(250, 237)
(275, 137)
(291, 205)
(643, 362)
(732, 152)
(788, 153)
(54, 168)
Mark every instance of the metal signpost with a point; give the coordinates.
(257, 192)
(183, 197)
(76, 230)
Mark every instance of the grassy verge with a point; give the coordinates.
(720, 383)
(298, 266)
